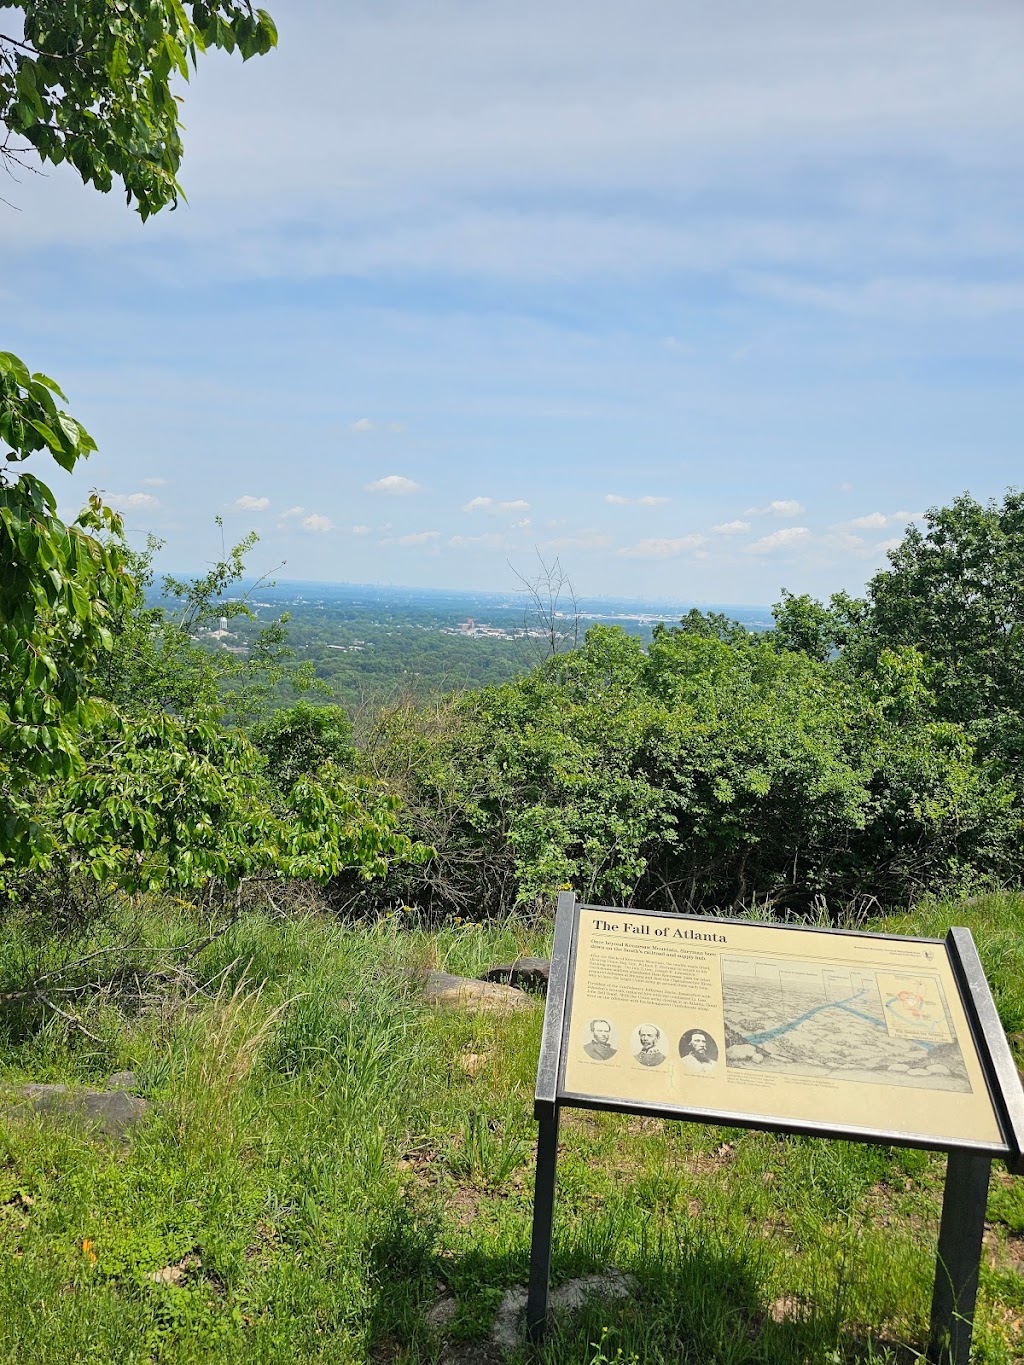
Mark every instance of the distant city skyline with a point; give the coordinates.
(706, 301)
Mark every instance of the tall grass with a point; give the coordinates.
(325, 1157)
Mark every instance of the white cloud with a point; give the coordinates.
(663, 547)
(731, 528)
(364, 424)
(844, 540)
(877, 521)
(414, 538)
(779, 540)
(846, 486)
(485, 504)
(131, 502)
(360, 530)
(648, 500)
(247, 503)
(155, 483)
(781, 507)
(394, 483)
(315, 522)
(293, 512)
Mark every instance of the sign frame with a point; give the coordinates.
(968, 1161)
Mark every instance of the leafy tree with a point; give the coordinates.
(807, 626)
(299, 740)
(165, 659)
(708, 625)
(88, 83)
(165, 804)
(59, 589)
(955, 591)
(164, 796)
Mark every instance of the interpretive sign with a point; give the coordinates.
(792, 1026)
(827, 1032)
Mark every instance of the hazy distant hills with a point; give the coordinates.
(446, 606)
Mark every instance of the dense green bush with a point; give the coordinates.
(701, 771)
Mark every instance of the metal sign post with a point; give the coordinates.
(727, 1021)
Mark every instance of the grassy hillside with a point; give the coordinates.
(326, 1158)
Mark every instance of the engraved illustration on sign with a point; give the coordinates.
(812, 1018)
(915, 1008)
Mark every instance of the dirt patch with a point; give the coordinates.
(709, 1163)
(262, 1248)
(1004, 1250)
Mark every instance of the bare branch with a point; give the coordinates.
(546, 591)
(71, 1019)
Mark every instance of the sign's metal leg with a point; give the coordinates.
(543, 1210)
(960, 1241)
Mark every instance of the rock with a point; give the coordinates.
(123, 1080)
(111, 1112)
(509, 1324)
(531, 972)
(440, 1314)
(476, 997)
(466, 1353)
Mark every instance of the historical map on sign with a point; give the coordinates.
(700, 1015)
(853, 1024)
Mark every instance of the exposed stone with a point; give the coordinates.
(111, 1112)
(123, 1080)
(531, 972)
(476, 997)
(510, 1326)
(469, 1353)
(440, 1314)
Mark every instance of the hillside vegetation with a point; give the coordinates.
(861, 753)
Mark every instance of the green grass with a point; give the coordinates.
(326, 1158)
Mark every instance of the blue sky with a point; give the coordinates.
(705, 300)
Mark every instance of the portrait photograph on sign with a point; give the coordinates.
(856, 1032)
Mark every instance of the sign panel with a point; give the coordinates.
(796, 1028)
